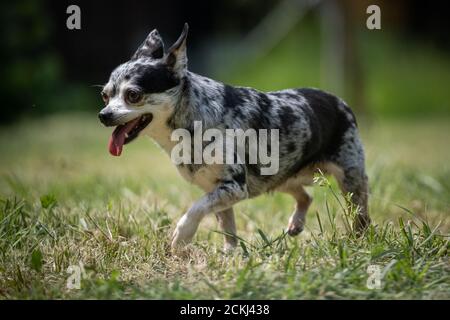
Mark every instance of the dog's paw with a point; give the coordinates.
(361, 224)
(183, 233)
(296, 224)
(294, 229)
(178, 247)
(229, 248)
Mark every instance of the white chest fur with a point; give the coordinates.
(206, 177)
(159, 131)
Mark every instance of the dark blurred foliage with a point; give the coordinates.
(430, 21)
(46, 67)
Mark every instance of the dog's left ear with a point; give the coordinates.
(152, 47)
(176, 57)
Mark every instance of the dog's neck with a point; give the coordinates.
(199, 99)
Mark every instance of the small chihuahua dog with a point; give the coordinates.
(154, 94)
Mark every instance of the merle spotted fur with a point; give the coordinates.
(317, 130)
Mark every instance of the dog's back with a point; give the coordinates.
(314, 129)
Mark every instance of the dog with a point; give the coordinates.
(154, 94)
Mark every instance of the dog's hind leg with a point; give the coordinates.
(228, 226)
(298, 217)
(303, 200)
(355, 183)
(353, 179)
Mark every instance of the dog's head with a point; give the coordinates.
(141, 89)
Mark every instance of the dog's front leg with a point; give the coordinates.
(231, 189)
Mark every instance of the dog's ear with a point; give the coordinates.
(176, 57)
(152, 47)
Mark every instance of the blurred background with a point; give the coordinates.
(396, 79)
(61, 190)
(402, 70)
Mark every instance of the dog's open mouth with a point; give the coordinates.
(126, 133)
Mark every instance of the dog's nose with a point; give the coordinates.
(105, 117)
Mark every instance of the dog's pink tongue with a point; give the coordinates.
(118, 137)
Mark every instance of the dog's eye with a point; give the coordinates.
(105, 97)
(133, 96)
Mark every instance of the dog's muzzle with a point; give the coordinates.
(106, 117)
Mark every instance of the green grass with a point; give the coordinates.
(64, 200)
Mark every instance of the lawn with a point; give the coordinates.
(65, 203)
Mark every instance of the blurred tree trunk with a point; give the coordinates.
(342, 70)
(332, 47)
(352, 60)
